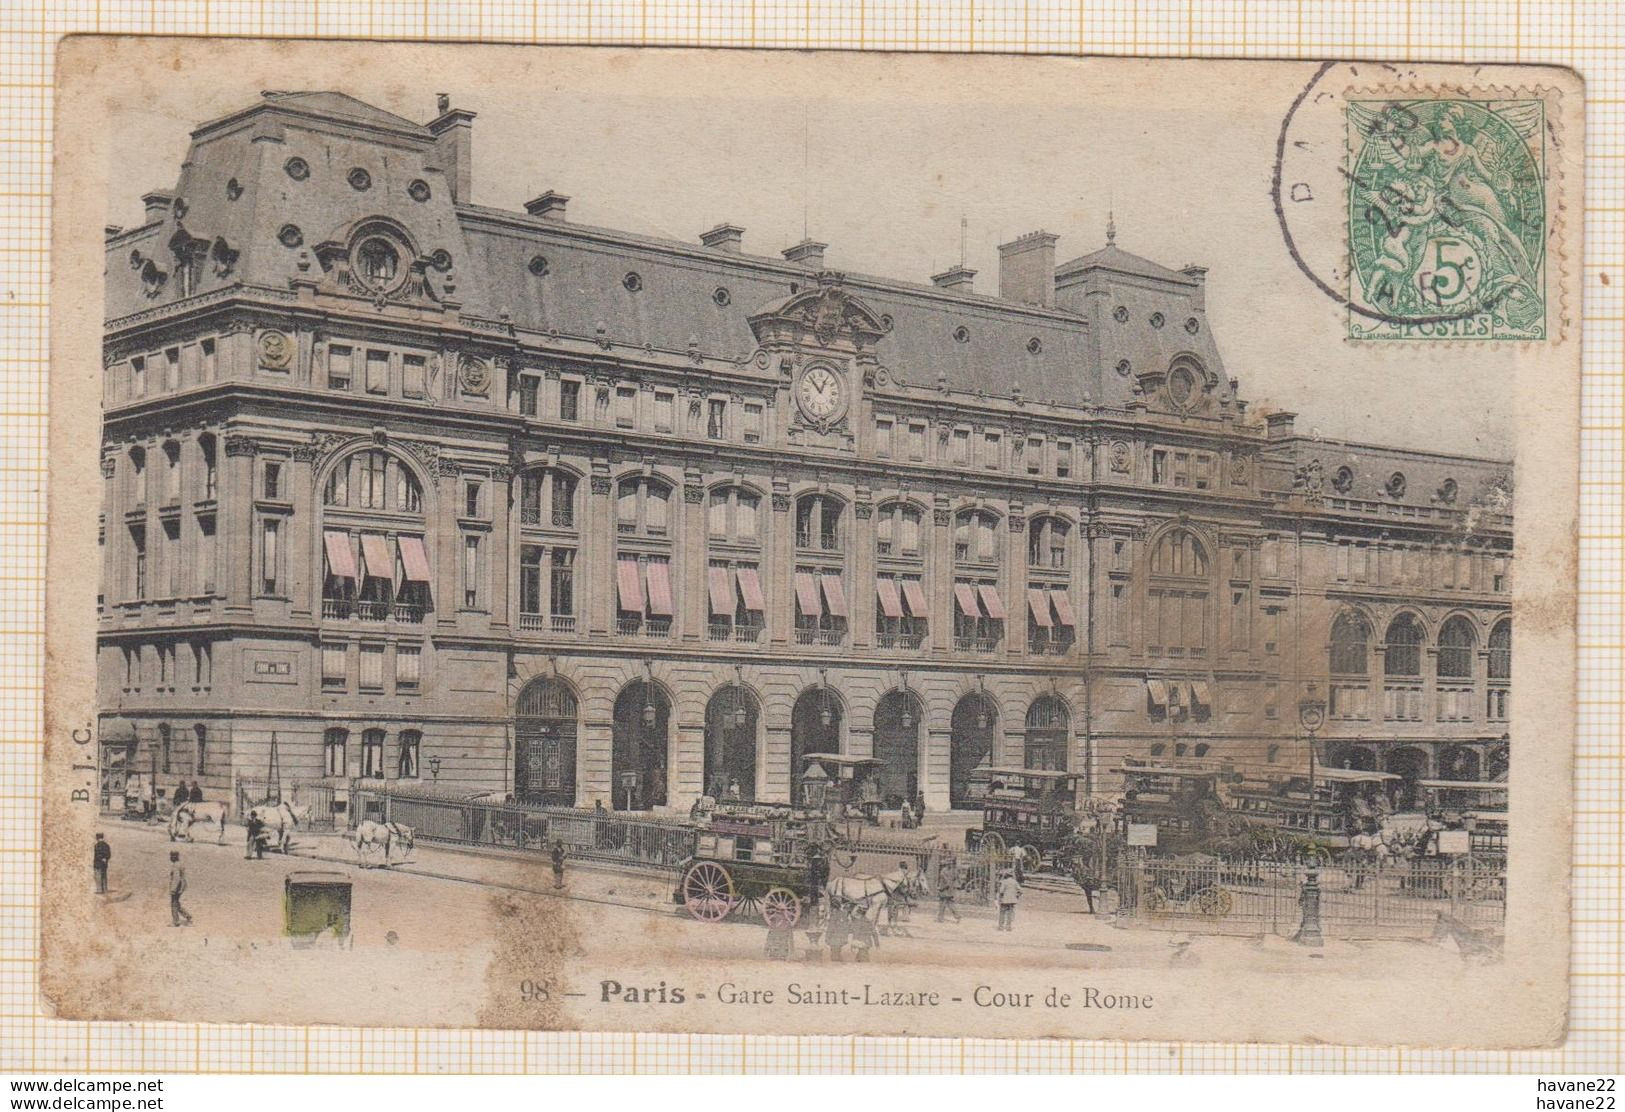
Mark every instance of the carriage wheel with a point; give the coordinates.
(781, 908)
(1214, 903)
(1030, 858)
(993, 842)
(1155, 903)
(708, 891)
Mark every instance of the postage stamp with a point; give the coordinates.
(1447, 219)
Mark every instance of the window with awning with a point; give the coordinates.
(807, 599)
(750, 589)
(340, 556)
(1158, 691)
(965, 596)
(720, 584)
(414, 560)
(1038, 606)
(834, 594)
(629, 586)
(1063, 609)
(992, 604)
(658, 574)
(891, 603)
(1200, 695)
(375, 554)
(914, 598)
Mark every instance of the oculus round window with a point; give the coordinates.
(962, 334)
(359, 179)
(721, 295)
(378, 263)
(418, 190)
(1120, 314)
(1123, 367)
(1035, 346)
(1396, 485)
(297, 168)
(886, 322)
(538, 265)
(1158, 320)
(1181, 386)
(633, 281)
(1192, 325)
(1343, 480)
(441, 260)
(290, 235)
(234, 189)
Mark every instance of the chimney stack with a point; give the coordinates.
(808, 253)
(158, 203)
(724, 237)
(956, 277)
(1027, 269)
(1278, 425)
(1197, 274)
(453, 132)
(549, 206)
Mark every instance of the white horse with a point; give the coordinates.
(280, 820)
(868, 895)
(188, 815)
(371, 835)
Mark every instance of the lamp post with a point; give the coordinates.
(1311, 717)
(434, 768)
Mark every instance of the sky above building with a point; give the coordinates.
(902, 170)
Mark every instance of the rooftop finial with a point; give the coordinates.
(1111, 229)
(443, 102)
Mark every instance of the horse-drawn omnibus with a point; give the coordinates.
(1476, 806)
(1343, 804)
(1182, 797)
(766, 859)
(1026, 811)
(842, 787)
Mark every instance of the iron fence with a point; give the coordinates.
(318, 803)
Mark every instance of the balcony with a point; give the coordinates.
(807, 635)
(1455, 702)
(1049, 646)
(1350, 701)
(884, 640)
(627, 626)
(550, 623)
(1402, 702)
(728, 631)
(976, 644)
(372, 610)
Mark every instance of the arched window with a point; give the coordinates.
(335, 758)
(172, 471)
(820, 523)
(138, 476)
(643, 507)
(545, 724)
(547, 498)
(898, 530)
(1500, 658)
(373, 480)
(406, 764)
(1402, 647)
(1351, 636)
(373, 571)
(1047, 539)
(211, 469)
(372, 754)
(976, 537)
(733, 515)
(1046, 736)
(1455, 659)
(1179, 554)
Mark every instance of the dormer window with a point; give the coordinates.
(378, 263)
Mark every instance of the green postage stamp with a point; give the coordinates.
(1447, 219)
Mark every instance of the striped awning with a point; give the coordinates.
(834, 594)
(1200, 696)
(375, 554)
(1158, 690)
(1063, 609)
(807, 595)
(658, 573)
(914, 598)
(965, 596)
(1038, 606)
(891, 605)
(629, 585)
(415, 560)
(992, 604)
(340, 556)
(719, 582)
(750, 588)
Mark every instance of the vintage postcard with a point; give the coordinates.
(804, 543)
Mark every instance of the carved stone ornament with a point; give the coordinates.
(473, 375)
(1308, 481)
(781, 502)
(694, 495)
(1018, 524)
(276, 350)
(426, 453)
(601, 484)
(1120, 456)
(942, 517)
(863, 510)
(237, 445)
(107, 467)
(1238, 469)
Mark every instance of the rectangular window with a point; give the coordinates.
(1272, 630)
(529, 391)
(377, 372)
(569, 400)
(1239, 633)
(334, 759)
(415, 380)
(716, 419)
(372, 667)
(172, 368)
(991, 446)
(340, 364)
(472, 498)
(407, 767)
(753, 423)
(626, 406)
(205, 555)
(471, 572)
(961, 446)
(1063, 459)
(270, 555)
(172, 559)
(206, 365)
(530, 579)
(1035, 455)
(1272, 556)
(1344, 560)
(1204, 472)
(138, 377)
(408, 663)
(272, 488)
(372, 753)
(916, 440)
(1358, 570)
(1159, 466)
(563, 583)
(202, 666)
(883, 437)
(334, 666)
(1182, 469)
(665, 411)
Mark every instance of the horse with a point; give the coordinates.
(280, 820)
(188, 815)
(869, 895)
(371, 835)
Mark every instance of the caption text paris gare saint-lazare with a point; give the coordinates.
(894, 995)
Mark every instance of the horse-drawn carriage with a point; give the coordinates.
(1182, 798)
(1028, 812)
(1478, 807)
(842, 787)
(1329, 815)
(766, 859)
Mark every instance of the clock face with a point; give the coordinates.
(820, 393)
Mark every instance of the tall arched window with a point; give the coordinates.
(1402, 647)
(976, 537)
(733, 514)
(1047, 546)
(410, 746)
(979, 611)
(1351, 637)
(645, 602)
(1180, 554)
(172, 471)
(1177, 597)
(547, 498)
(643, 507)
(372, 754)
(898, 530)
(1455, 661)
(1046, 737)
(335, 756)
(902, 616)
(733, 577)
(1500, 657)
(821, 607)
(376, 564)
(820, 523)
(546, 561)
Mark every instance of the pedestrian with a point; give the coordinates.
(947, 889)
(195, 795)
(1009, 893)
(919, 806)
(182, 796)
(256, 837)
(100, 856)
(558, 862)
(1090, 887)
(178, 915)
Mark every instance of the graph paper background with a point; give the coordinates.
(1586, 34)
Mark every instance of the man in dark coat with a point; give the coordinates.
(196, 794)
(558, 863)
(256, 837)
(100, 857)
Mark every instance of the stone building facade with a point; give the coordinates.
(498, 501)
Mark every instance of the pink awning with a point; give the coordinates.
(834, 595)
(914, 596)
(890, 604)
(807, 595)
(750, 587)
(415, 560)
(340, 556)
(1063, 609)
(630, 585)
(991, 602)
(965, 595)
(1038, 605)
(659, 575)
(720, 582)
(375, 553)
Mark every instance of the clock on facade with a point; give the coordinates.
(820, 393)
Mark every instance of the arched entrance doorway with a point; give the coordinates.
(815, 727)
(1497, 766)
(897, 743)
(1047, 722)
(638, 767)
(1410, 765)
(730, 744)
(544, 766)
(1458, 762)
(971, 731)
(1354, 756)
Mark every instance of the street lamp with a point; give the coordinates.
(1311, 716)
(434, 768)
